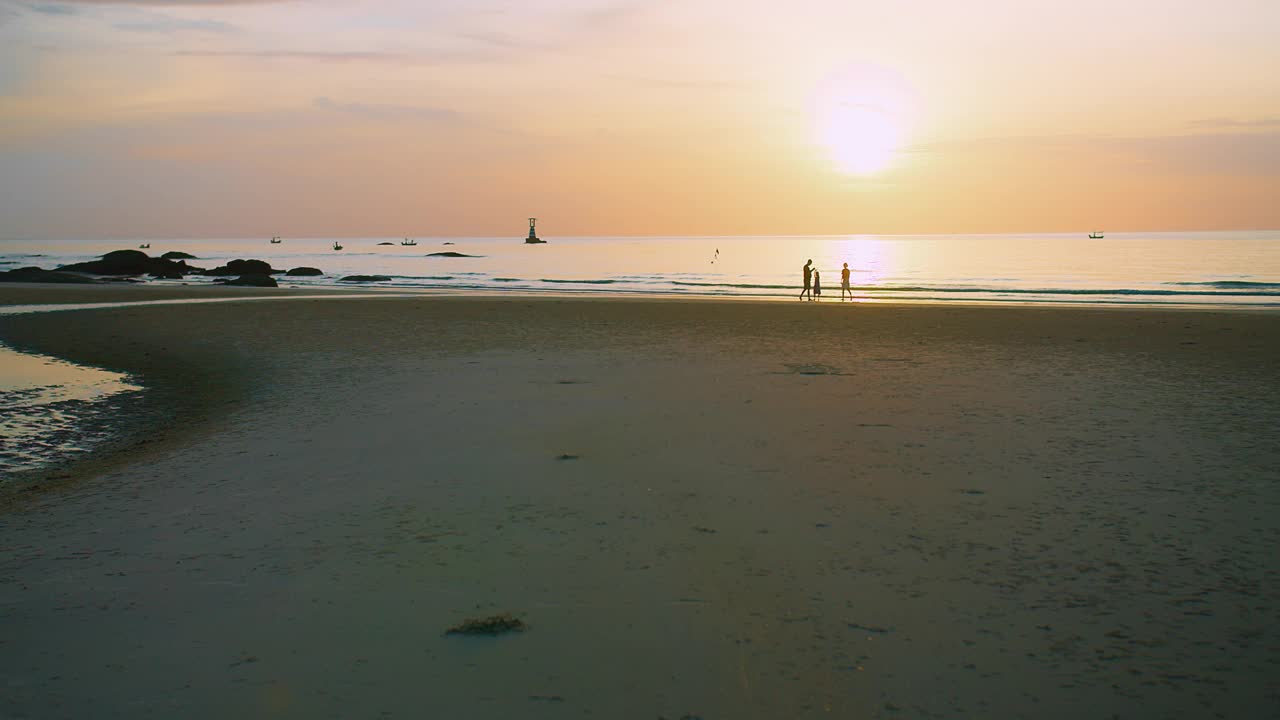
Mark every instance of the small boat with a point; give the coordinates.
(409, 243)
(1095, 236)
(144, 246)
(275, 241)
(336, 246)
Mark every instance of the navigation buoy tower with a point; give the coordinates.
(533, 238)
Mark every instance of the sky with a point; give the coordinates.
(388, 118)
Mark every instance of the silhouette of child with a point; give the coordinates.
(817, 284)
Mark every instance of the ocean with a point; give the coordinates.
(1150, 268)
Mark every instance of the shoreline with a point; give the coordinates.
(717, 508)
(166, 387)
(40, 294)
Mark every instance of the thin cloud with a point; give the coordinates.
(1251, 154)
(439, 57)
(1225, 122)
(169, 25)
(500, 40)
(1255, 154)
(414, 113)
(678, 84)
(55, 9)
(175, 3)
(978, 143)
(615, 14)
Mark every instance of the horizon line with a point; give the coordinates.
(517, 236)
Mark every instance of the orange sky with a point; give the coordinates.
(389, 118)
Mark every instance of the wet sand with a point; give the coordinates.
(769, 510)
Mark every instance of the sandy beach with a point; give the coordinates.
(700, 509)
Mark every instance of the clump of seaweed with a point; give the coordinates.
(493, 625)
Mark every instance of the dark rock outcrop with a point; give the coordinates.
(494, 625)
(450, 253)
(253, 280)
(39, 275)
(176, 255)
(132, 262)
(304, 272)
(365, 278)
(244, 267)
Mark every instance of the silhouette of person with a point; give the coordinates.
(817, 285)
(844, 283)
(808, 278)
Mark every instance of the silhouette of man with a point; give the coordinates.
(844, 283)
(808, 278)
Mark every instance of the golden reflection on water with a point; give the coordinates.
(870, 259)
(43, 402)
(55, 378)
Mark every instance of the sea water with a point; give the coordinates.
(1151, 268)
(47, 409)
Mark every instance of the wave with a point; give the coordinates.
(1219, 289)
(421, 277)
(745, 286)
(1232, 284)
(1002, 291)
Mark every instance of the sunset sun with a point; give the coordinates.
(861, 140)
(861, 115)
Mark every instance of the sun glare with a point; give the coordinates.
(862, 140)
(862, 115)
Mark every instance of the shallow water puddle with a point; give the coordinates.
(51, 409)
(44, 403)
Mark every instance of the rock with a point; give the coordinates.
(175, 255)
(494, 625)
(254, 280)
(365, 278)
(131, 262)
(244, 267)
(386, 243)
(450, 253)
(40, 275)
(304, 272)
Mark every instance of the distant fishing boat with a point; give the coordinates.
(336, 246)
(145, 246)
(1095, 236)
(408, 242)
(275, 241)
